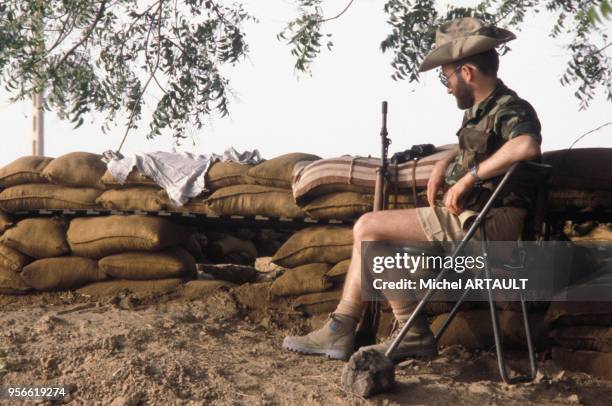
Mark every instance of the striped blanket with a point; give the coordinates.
(358, 174)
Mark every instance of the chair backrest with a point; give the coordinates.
(536, 176)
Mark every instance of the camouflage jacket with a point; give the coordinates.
(485, 128)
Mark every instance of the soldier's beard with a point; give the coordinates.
(463, 94)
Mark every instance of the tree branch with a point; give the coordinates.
(338, 15)
(85, 37)
(151, 77)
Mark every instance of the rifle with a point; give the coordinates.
(382, 172)
(366, 332)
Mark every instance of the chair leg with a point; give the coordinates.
(530, 348)
(451, 315)
(501, 361)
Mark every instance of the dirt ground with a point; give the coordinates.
(130, 350)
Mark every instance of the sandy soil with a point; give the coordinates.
(130, 350)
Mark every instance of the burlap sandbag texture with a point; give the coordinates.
(78, 169)
(351, 205)
(38, 237)
(61, 273)
(172, 263)
(328, 244)
(135, 178)
(570, 199)
(197, 205)
(12, 259)
(224, 174)
(317, 303)
(27, 169)
(231, 249)
(11, 283)
(580, 168)
(132, 198)
(338, 272)
(203, 289)
(591, 338)
(561, 314)
(309, 278)
(5, 222)
(343, 205)
(591, 362)
(473, 329)
(253, 200)
(45, 196)
(104, 236)
(114, 287)
(277, 172)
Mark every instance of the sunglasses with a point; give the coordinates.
(444, 79)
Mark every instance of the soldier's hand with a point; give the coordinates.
(456, 195)
(435, 182)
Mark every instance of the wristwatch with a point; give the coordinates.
(474, 172)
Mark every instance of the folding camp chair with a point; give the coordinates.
(536, 176)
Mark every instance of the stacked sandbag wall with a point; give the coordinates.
(581, 179)
(43, 254)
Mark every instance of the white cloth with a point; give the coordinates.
(181, 174)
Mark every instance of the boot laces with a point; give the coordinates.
(396, 327)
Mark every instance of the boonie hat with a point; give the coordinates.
(463, 37)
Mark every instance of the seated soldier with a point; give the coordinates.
(498, 130)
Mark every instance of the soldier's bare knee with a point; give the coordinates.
(365, 227)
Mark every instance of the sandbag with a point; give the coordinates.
(115, 287)
(38, 237)
(473, 329)
(197, 205)
(229, 244)
(5, 222)
(103, 236)
(592, 338)
(203, 289)
(277, 172)
(600, 232)
(224, 174)
(358, 174)
(309, 278)
(591, 362)
(253, 295)
(571, 199)
(79, 169)
(27, 169)
(580, 168)
(341, 206)
(171, 263)
(338, 272)
(61, 273)
(253, 200)
(351, 205)
(11, 283)
(579, 314)
(131, 198)
(316, 303)
(328, 244)
(12, 259)
(44, 196)
(135, 178)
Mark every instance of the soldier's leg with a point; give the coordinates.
(336, 338)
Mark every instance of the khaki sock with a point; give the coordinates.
(351, 309)
(403, 313)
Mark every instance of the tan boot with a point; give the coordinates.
(419, 342)
(336, 339)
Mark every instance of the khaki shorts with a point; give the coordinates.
(502, 224)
